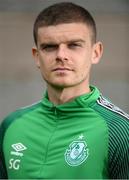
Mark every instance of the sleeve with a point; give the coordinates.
(3, 172)
(119, 149)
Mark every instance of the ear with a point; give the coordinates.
(97, 52)
(35, 54)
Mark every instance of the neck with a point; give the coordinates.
(63, 95)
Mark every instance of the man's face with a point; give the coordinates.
(65, 54)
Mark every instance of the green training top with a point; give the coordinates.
(87, 138)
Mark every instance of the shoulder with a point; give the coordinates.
(116, 119)
(118, 133)
(12, 117)
(18, 114)
(117, 122)
(110, 112)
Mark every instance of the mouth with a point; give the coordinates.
(62, 69)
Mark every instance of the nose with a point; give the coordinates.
(62, 53)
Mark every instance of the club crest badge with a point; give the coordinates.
(77, 153)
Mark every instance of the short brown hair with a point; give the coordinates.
(64, 12)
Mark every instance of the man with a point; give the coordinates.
(73, 132)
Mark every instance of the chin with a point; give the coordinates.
(60, 84)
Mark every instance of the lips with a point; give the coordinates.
(62, 69)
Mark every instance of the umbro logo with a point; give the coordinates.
(18, 147)
(14, 162)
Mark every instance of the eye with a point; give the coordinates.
(49, 47)
(74, 45)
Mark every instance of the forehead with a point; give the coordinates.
(63, 32)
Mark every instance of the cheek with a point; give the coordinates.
(83, 68)
(84, 65)
(43, 67)
(43, 62)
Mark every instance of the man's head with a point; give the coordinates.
(66, 47)
(65, 12)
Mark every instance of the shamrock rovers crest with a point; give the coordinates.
(77, 153)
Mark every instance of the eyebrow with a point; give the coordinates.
(76, 40)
